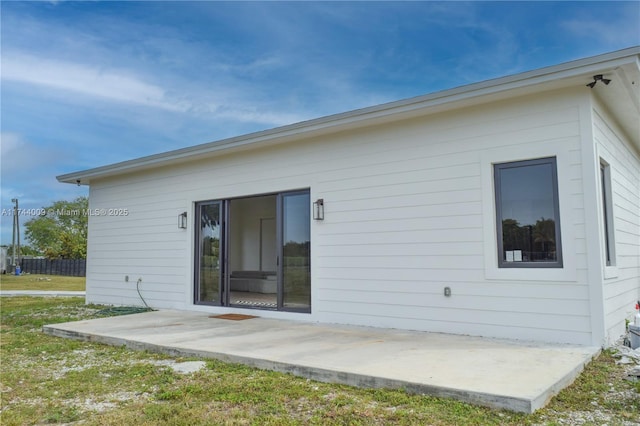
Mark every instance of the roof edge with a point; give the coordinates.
(362, 115)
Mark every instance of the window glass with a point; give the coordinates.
(208, 260)
(527, 214)
(607, 217)
(296, 255)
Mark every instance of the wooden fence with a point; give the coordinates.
(67, 267)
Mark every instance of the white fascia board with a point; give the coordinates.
(562, 75)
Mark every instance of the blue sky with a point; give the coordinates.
(85, 84)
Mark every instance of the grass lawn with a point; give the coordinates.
(44, 379)
(41, 282)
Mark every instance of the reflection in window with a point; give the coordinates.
(527, 214)
(296, 251)
(607, 215)
(208, 235)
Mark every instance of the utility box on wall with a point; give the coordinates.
(634, 336)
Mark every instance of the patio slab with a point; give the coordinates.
(515, 375)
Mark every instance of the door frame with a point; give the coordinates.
(280, 249)
(225, 238)
(221, 251)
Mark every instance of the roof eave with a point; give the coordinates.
(392, 111)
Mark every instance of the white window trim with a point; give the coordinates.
(520, 153)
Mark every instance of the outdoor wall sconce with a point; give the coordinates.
(318, 209)
(182, 220)
(597, 78)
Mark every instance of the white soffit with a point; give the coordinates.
(622, 98)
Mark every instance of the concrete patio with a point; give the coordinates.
(519, 376)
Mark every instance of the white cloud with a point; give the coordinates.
(618, 30)
(13, 152)
(108, 84)
(228, 97)
(9, 143)
(609, 32)
(255, 115)
(27, 161)
(24, 161)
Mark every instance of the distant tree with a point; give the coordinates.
(295, 248)
(538, 241)
(511, 234)
(544, 235)
(24, 250)
(544, 231)
(62, 231)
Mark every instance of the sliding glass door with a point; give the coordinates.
(208, 240)
(254, 252)
(295, 268)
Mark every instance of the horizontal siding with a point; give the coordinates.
(392, 236)
(461, 325)
(404, 262)
(422, 248)
(392, 275)
(435, 305)
(403, 217)
(432, 200)
(499, 291)
(622, 290)
(410, 307)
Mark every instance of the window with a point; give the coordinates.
(527, 214)
(607, 216)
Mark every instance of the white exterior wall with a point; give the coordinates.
(409, 210)
(621, 280)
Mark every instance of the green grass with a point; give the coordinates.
(41, 282)
(48, 380)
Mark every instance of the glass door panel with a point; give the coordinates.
(209, 249)
(296, 250)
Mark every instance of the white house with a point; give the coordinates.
(507, 208)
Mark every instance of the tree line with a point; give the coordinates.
(56, 235)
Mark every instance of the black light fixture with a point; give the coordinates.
(597, 78)
(318, 209)
(182, 220)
